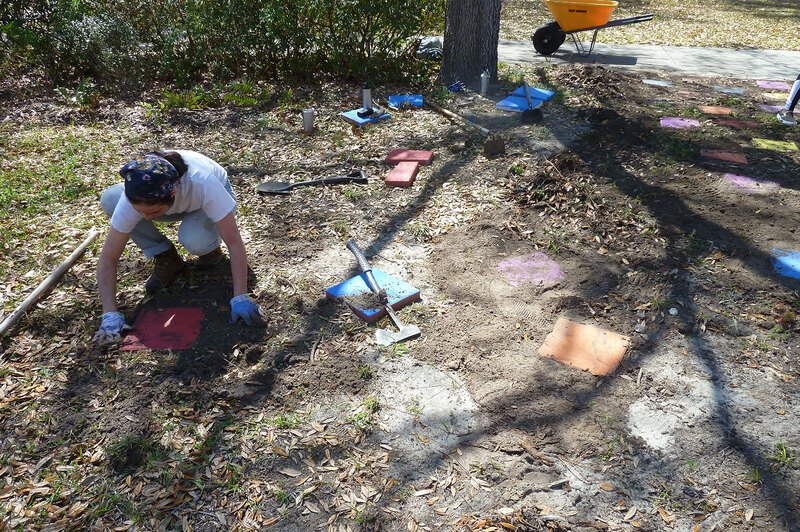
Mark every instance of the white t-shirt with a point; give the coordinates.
(201, 187)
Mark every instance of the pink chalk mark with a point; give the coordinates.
(751, 185)
(774, 85)
(167, 328)
(679, 123)
(770, 108)
(536, 269)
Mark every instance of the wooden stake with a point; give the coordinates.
(458, 118)
(46, 285)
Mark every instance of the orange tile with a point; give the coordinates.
(715, 110)
(723, 155)
(585, 347)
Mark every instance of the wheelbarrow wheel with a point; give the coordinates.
(547, 39)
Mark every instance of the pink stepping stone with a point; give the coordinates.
(166, 328)
(751, 185)
(535, 269)
(585, 347)
(402, 175)
(722, 155)
(738, 124)
(773, 85)
(715, 110)
(679, 123)
(423, 157)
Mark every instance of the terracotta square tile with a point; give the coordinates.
(715, 110)
(585, 347)
(722, 155)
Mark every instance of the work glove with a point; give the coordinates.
(243, 307)
(110, 329)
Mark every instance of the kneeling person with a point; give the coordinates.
(171, 186)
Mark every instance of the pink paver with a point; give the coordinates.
(715, 110)
(751, 185)
(679, 123)
(423, 157)
(773, 85)
(723, 155)
(738, 124)
(167, 328)
(770, 108)
(536, 269)
(585, 347)
(402, 175)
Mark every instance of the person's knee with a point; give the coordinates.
(199, 236)
(110, 197)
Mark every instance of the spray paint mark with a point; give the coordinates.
(535, 269)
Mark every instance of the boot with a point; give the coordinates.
(166, 268)
(209, 260)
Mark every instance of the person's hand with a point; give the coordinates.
(110, 329)
(243, 307)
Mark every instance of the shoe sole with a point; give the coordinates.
(786, 122)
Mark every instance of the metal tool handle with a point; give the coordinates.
(364, 265)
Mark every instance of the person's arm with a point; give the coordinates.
(113, 322)
(107, 268)
(229, 232)
(242, 307)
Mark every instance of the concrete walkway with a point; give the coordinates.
(722, 62)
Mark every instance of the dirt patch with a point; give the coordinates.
(597, 215)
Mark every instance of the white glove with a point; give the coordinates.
(110, 329)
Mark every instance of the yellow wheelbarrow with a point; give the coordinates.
(574, 17)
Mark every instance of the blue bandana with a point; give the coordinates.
(151, 179)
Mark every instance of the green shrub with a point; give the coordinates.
(139, 41)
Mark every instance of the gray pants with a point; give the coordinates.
(197, 232)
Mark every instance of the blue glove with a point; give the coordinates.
(110, 329)
(243, 307)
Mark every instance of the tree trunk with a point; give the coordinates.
(471, 33)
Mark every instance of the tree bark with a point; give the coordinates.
(471, 34)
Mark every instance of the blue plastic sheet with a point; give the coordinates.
(787, 262)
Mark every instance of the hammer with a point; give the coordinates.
(383, 336)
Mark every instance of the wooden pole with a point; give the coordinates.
(458, 118)
(47, 284)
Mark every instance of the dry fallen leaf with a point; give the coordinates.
(748, 515)
(630, 514)
(607, 486)
(665, 516)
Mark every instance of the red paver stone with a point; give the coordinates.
(738, 124)
(722, 155)
(423, 157)
(402, 175)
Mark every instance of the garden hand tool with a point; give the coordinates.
(383, 336)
